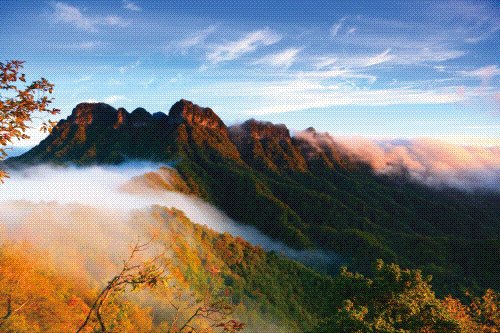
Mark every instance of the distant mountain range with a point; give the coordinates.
(302, 192)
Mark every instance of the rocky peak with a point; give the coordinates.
(89, 113)
(186, 112)
(140, 117)
(261, 130)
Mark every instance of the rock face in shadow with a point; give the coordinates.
(99, 133)
(264, 145)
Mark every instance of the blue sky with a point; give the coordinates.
(370, 68)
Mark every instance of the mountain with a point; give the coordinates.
(302, 190)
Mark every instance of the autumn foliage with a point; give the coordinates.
(18, 104)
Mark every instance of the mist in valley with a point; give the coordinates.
(83, 212)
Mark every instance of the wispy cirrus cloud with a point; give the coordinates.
(325, 61)
(485, 73)
(196, 39)
(284, 58)
(483, 35)
(131, 6)
(379, 58)
(328, 97)
(235, 49)
(340, 73)
(308, 92)
(473, 21)
(69, 14)
(398, 56)
(335, 29)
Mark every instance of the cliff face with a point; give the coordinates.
(99, 133)
(186, 112)
(264, 145)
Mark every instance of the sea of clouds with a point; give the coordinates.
(430, 161)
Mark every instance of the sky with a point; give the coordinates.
(381, 69)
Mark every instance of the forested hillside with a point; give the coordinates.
(236, 282)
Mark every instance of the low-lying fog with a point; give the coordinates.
(74, 210)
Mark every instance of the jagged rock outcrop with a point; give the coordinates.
(185, 111)
(320, 150)
(93, 113)
(267, 146)
(199, 131)
(99, 133)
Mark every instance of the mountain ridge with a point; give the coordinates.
(304, 192)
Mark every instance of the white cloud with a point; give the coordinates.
(196, 39)
(483, 35)
(431, 161)
(235, 49)
(285, 58)
(334, 30)
(116, 21)
(69, 14)
(114, 98)
(323, 62)
(409, 56)
(429, 54)
(131, 6)
(484, 73)
(303, 93)
(316, 99)
(336, 73)
(352, 30)
(72, 15)
(379, 58)
(416, 55)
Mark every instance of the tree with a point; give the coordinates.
(194, 314)
(18, 105)
(400, 300)
(147, 274)
(191, 315)
(37, 295)
(34, 296)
